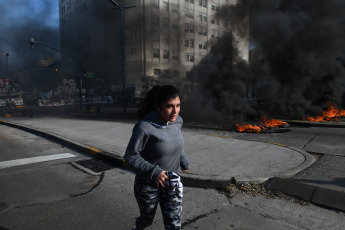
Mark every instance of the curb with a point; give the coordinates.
(330, 124)
(317, 195)
(189, 179)
(308, 161)
(95, 152)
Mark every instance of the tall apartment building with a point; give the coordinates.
(165, 40)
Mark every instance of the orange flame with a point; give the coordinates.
(248, 128)
(332, 113)
(262, 126)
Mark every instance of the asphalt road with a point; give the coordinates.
(55, 194)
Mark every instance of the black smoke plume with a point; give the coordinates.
(301, 45)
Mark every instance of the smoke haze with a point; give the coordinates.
(21, 20)
(302, 45)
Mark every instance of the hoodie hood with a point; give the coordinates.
(154, 119)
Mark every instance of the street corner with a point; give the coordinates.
(309, 160)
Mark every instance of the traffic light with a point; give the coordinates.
(89, 75)
(56, 70)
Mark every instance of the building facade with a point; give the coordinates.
(165, 40)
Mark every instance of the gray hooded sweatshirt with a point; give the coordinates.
(156, 146)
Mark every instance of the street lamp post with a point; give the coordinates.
(123, 47)
(7, 54)
(7, 64)
(9, 89)
(32, 42)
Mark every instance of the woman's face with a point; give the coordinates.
(169, 109)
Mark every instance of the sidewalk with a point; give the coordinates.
(215, 161)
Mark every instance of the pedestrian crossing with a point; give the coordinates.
(32, 160)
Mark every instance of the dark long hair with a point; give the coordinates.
(157, 95)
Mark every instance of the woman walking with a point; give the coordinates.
(155, 153)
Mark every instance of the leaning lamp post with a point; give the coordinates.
(123, 47)
(32, 43)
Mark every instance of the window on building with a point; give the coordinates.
(203, 31)
(203, 3)
(203, 45)
(189, 42)
(189, 13)
(165, 38)
(157, 72)
(155, 36)
(155, 3)
(165, 5)
(189, 57)
(174, 23)
(215, 6)
(189, 27)
(186, 27)
(166, 54)
(215, 33)
(215, 20)
(190, 1)
(155, 52)
(186, 42)
(174, 8)
(175, 55)
(155, 19)
(203, 16)
(165, 22)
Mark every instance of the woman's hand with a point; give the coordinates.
(184, 169)
(160, 180)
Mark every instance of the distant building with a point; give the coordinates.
(165, 41)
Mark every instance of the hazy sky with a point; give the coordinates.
(20, 20)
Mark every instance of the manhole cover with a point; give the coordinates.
(95, 165)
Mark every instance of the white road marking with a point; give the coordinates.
(26, 161)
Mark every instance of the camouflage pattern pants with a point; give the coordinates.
(148, 196)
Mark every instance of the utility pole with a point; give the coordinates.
(123, 48)
(9, 88)
(7, 72)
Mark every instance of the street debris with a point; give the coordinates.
(259, 189)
